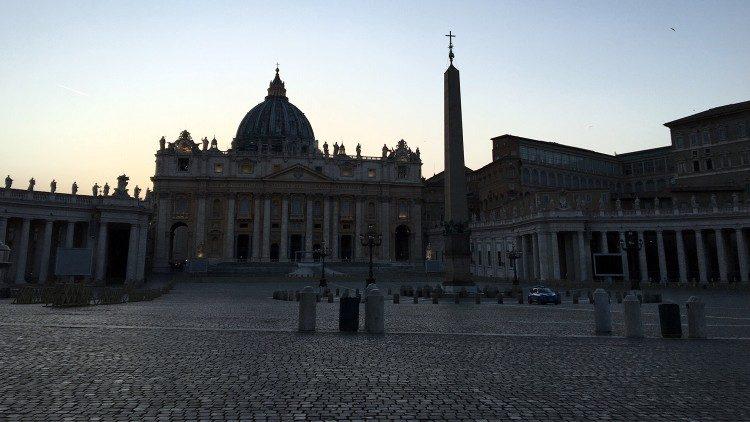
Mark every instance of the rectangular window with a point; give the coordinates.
(218, 168)
(696, 166)
(628, 169)
(709, 164)
(679, 142)
(183, 164)
(741, 130)
(499, 258)
(370, 173)
(648, 167)
(722, 133)
(706, 137)
(660, 165)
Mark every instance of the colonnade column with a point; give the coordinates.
(200, 225)
(266, 228)
(662, 256)
(70, 228)
(681, 263)
(585, 255)
(642, 261)
(101, 251)
(742, 254)
(46, 246)
(385, 220)
(283, 242)
(309, 224)
(229, 239)
(23, 251)
(535, 263)
(700, 249)
(327, 222)
(555, 255)
(131, 266)
(3, 228)
(721, 255)
(358, 220)
(335, 231)
(256, 228)
(161, 249)
(142, 246)
(522, 263)
(624, 255)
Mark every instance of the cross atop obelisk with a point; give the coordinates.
(450, 46)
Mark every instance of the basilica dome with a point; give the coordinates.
(275, 124)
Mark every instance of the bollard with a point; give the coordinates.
(499, 299)
(696, 316)
(435, 298)
(374, 312)
(396, 298)
(307, 310)
(348, 313)
(669, 320)
(632, 317)
(415, 299)
(602, 312)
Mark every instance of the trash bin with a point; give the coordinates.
(669, 319)
(349, 314)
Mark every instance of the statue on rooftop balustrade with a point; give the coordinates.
(32, 182)
(8, 182)
(74, 188)
(53, 186)
(136, 192)
(359, 151)
(95, 190)
(106, 189)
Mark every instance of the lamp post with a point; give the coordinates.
(4, 260)
(513, 255)
(323, 253)
(371, 239)
(631, 245)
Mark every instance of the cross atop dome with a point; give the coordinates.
(276, 88)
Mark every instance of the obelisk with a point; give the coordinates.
(457, 255)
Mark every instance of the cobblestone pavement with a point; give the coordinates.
(228, 351)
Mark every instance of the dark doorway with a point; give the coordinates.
(346, 247)
(316, 252)
(402, 243)
(118, 239)
(178, 245)
(274, 251)
(243, 246)
(295, 245)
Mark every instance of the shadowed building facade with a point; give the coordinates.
(275, 196)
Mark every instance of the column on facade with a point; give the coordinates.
(701, 250)
(309, 224)
(161, 251)
(385, 229)
(624, 254)
(585, 255)
(23, 251)
(283, 242)
(603, 246)
(46, 247)
(3, 228)
(416, 218)
(266, 228)
(542, 262)
(70, 228)
(681, 262)
(535, 266)
(662, 256)
(327, 222)
(131, 265)
(742, 254)
(642, 260)
(335, 231)
(554, 245)
(200, 224)
(522, 263)
(101, 251)
(142, 247)
(231, 221)
(256, 228)
(721, 256)
(358, 221)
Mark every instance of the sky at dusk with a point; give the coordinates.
(88, 88)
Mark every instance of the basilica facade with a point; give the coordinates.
(276, 196)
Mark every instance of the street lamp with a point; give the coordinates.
(323, 252)
(631, 245)
(513, 255)
(4, 260)
(371, 239)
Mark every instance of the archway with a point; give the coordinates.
(346, 247)
(296, 244)
(118, 239)
(274, 252)
(402, 243)
(243, 246)
(178, 244)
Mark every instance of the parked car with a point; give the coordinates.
(543, 295)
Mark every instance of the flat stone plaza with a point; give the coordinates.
(225, 349)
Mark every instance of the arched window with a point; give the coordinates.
(543, 178)
(526, 177)
(346, 208)
(535, 177)
(180, 205)
(244, 208)
(216, 208)
(403, 209)
(296, 206)
(370, 210)
(639, 186)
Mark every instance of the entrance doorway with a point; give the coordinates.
(296, 242)
(346, 247)
(118, 239)
(274, 251)
(178, 245)
(402, 243)
(243, 246)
